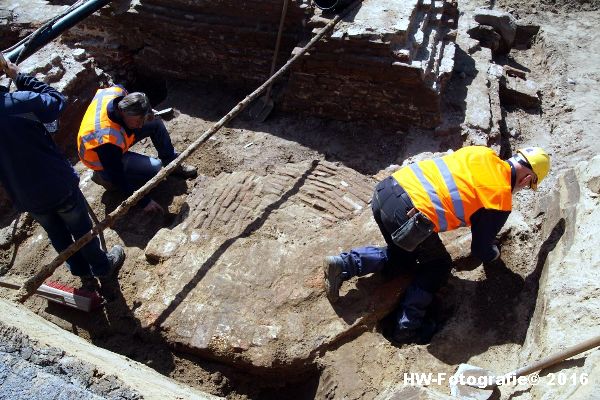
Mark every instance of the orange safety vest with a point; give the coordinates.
(97, 128)
(450, 189)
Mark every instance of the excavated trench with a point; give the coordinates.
(224, 292)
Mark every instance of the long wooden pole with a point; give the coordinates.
(32, 284)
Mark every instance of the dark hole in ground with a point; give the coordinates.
(155, 87)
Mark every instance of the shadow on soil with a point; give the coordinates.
(115, 328)
(138, 227)
(497, 310)
(212, 260)
(357, 146)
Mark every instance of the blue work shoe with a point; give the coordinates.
(116, 257)
(333, 266)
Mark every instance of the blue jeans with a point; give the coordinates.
(138, 168)
(430, 261)
(68, 222)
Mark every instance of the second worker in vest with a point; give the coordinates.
(115, 121)
(470, 187)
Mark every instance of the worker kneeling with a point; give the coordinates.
(115, 121)
(470, 187)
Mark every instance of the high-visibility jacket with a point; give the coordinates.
(97, 128)
(450, 189)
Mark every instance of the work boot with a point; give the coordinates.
(420, 335)
(333, 266)
(99, 180)
(89, 283)
(116, 257)
(185, 171)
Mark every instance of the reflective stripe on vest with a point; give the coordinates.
(450, 189)
(98, 129)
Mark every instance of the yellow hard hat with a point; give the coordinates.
(538, 160)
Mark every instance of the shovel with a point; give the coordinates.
(261, 109)
(476, 383)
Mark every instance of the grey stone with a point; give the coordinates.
(487, 36)
(503, 22)
(407, 392)
(79, 54)
(247, 286)
(519, 92)
(568, 298)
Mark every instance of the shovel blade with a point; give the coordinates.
(464, 381)
(260, 110)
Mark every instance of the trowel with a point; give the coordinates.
(471, 382)
(261, 109)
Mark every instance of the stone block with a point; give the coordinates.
(269, 251)
(504, 23)
(518, 92)
(568, 296)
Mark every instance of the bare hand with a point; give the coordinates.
(154, 208)
(11, 69)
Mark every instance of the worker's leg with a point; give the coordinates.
(161, 140)
(77, 220)
(389, 211)
(58, 225)
(157, 131)
(73, 218)
(432, 273)
(61, 239)
(139, 168)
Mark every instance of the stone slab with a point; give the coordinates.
(241, 278)
(569, 295)
(384, 20)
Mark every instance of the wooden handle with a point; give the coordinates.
(556, 358)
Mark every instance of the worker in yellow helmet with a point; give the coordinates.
(470, 187)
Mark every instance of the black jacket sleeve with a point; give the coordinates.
(111, 158)
(485, 225)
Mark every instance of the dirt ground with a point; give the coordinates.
(563, 60)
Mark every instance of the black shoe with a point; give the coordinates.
(403, 336)
(116, 257)
(185, 171)
(89, 283)
(99, 180)
(333, 268)
(420, 335)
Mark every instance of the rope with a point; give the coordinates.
(32, 284)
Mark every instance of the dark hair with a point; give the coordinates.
(136, 103)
